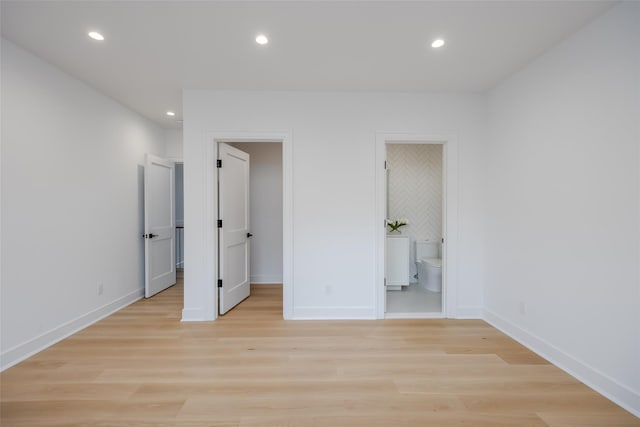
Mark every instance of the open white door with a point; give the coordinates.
(159, 225)
(233, 226)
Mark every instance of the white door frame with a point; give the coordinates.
(449, 214)
(210, 241)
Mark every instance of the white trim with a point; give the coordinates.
(27, 349)
(469, 312)
(602, 383)
(436, 315)
(272, 279)
(334, 313)
(193, 315)
(449, 218)
(209, 311)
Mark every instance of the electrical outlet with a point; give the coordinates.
(327, 290)
(100, 288)
(522, 308)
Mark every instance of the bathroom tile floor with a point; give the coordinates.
(414, 299)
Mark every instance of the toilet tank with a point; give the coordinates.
(426, 249)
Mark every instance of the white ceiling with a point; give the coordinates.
(154, 49)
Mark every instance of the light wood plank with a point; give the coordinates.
(143, 367)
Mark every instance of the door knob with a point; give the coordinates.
(149, 236)
(249, 235)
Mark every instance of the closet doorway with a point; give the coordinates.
(265, 213)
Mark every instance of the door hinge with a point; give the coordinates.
(219, 283)
(385, 164)
(219, 223)
(219, 163)
(443, 240)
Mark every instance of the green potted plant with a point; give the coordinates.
(395, 224)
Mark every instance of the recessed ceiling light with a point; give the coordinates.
(262, 39)
(96, 36)
(171, 113)
(437, 43)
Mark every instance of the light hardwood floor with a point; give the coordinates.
(143, 367)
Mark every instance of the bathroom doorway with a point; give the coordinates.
(413, 241)
(397, 256)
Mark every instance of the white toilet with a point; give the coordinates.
(429, 265)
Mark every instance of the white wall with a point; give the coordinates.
(265, 210)
(173, 144)
(415, 192)
(333, 139)
(71, 203)
(563, 205)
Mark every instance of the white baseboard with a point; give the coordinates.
(469, 312)
(27, 349)
(602, 383)
(333, 313)
(194, 315)
(265, 279)
(413, 316)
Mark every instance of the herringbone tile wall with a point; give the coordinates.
(415, 190)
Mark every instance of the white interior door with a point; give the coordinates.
(159, 225)
(233, 226)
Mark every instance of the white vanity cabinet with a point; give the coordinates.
(397, 262)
